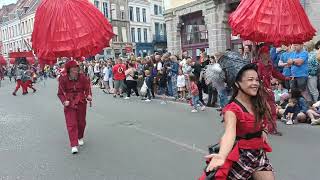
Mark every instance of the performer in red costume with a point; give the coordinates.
(74, 92)
(243, 147)
(27, 80)
(20, 83)
(266, 71)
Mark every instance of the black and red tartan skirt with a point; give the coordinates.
(250, 161)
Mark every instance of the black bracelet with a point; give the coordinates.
(266, 131)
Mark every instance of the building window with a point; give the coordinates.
(303, 3)
(124, 34)
(114, 11)
(138, 14)
(133, 35)
(139, 34)
(29, 27)
(123, 15)
(115, 31)
(131, 13)
(22, 28)
(194, 34)
(160, 10)
(145, 35)
(156, 10)
(157, 28)
(26, 23)
(96, 4)
(144, 15)
(105, 9)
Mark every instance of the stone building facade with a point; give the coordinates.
(203, 25)
(17, 26)
(121, 25)
(212, 29)
(140, 27)
(312, 8)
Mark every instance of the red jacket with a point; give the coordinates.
(266, 72)
(74, 91)
(194, 89)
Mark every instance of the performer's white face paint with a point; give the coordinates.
(250, 82)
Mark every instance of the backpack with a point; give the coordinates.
(135, 75)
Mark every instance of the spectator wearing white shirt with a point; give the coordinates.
(159, 63)
(107, 77)
(181, 84)
(96, 69)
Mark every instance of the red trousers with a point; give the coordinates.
(76, 122)
(28, 84)
(272, 104)
(22, 85)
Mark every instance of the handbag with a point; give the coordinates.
(144, 88)
(213, 149)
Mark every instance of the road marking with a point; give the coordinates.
(170, 140)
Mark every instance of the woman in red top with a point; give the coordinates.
(243, 146)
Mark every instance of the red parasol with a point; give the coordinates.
(69, 28)
(21, 54)
(12, 60)
(272, 21)
(31, 60)
(47, 61)
(3, 60)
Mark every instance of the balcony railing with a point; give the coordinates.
(159, 38)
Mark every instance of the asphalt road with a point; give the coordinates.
(128, 140)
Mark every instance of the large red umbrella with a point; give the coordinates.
(30, 60)
(272, 21)
(2, 60)
(12, 60)
(69, 28)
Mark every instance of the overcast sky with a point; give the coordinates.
(5, 2)
(166, 3)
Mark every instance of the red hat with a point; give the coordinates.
(264, 49)
(71, 64)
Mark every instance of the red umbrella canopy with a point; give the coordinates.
(272, 21)
(2, 60)
(69, 28)
(47, 61)
(12, 60)
(31, 60)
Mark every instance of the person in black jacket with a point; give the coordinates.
(196, 71)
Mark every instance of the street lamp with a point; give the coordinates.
(112, 45)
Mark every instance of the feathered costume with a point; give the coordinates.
(226, 70)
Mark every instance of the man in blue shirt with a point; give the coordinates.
(276, 54)
(299, 69)
(283, 62)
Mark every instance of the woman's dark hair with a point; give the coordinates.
(249, 46)
(192, 78)
(296, 93)
(130, 64)
(261, 108)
